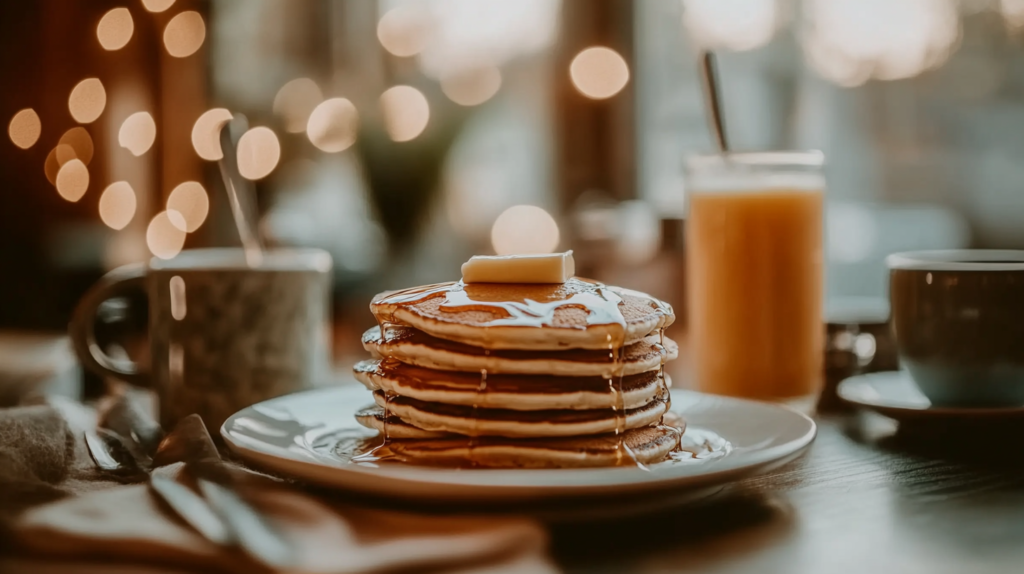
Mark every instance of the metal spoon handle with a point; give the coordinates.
(712, 99)
(240, 193)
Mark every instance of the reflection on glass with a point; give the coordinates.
(178, 305)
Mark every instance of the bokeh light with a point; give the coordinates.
(206, 133)
(851, 41)
(164, 236)
(191, 201)
(295, 101)
(25, 128)
(639, 232)
(117, 205)
(731, 24)
(1013, 13)
(64, 153)
(80, 142)
(471, 85)
(115, 29)
(524, 229)
(599, 73)
(157, 5)
(496, 30)
(258, 153)
(406, 112)
(87, 100)
(184, 34)
(52, 164)
(333, 125)
(72, 180)
(403, 31)
(137, 134)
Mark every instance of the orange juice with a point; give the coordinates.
(755, 272)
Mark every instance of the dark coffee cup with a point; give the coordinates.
(958, 319)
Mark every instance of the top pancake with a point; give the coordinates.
(577, 314)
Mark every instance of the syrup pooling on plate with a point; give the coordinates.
(382, 451)
(699, 445)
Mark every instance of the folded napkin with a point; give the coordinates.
(65, 516)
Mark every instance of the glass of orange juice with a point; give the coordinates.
(755, 274)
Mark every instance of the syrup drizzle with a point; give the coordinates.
(600, 301)
(615, 354)
(383, 450)
(663, 391)
(474, 437)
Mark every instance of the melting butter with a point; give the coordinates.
(547, 268)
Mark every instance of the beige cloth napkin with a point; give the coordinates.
(99, 526)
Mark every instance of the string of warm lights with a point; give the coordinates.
(330, 123)
(66, 165)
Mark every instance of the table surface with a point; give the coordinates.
(868, 496)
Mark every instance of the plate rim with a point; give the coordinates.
(440, 481)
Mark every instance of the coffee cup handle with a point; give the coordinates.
(119, 282)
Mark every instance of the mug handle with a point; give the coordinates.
(117, 283)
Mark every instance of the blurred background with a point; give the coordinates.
(404, 136)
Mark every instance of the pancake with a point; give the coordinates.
(471, 421)
(516, 392)
(372, 416)
(647, 445)
(416, 347)
(577, 314)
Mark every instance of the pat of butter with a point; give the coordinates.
(548, 268)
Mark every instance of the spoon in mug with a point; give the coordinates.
(241, 194)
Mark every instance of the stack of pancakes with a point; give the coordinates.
(520, 375)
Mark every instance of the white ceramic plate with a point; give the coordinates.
(895, 395)
(305, 436)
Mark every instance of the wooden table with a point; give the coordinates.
(868, 497)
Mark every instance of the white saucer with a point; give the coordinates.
(895, 395)
(305, 436)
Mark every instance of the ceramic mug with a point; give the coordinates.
(223, 334)
(958, 319)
